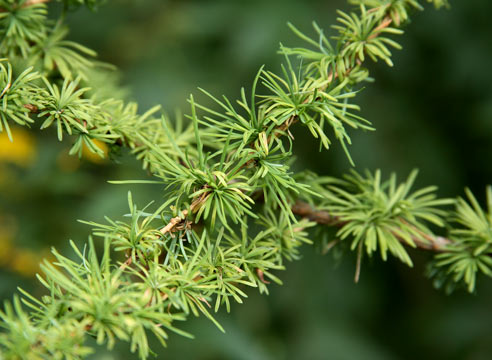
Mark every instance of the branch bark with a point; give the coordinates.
(322, 217)
(34, 2)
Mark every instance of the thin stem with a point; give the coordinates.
(34, 2)
(359, 263)
(424, 241)
(384, 24)
(173, 223)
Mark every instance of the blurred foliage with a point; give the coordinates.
(432, 111)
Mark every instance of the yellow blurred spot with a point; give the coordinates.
(25, 262)
(70, 163)
(93, 157)
(21, 151)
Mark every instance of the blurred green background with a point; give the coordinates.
(432, 111)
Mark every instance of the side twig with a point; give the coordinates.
(424, 241)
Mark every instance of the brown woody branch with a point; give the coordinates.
(424, 241)
(34, 2)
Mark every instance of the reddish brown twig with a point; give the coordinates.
(378, 29)
(34, 2)
(173, 222)
(423, 241)
(305, 210)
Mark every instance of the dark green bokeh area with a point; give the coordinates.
(432, 111)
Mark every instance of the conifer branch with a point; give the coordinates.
(284, 128)
(322, 217)
(198, 250)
